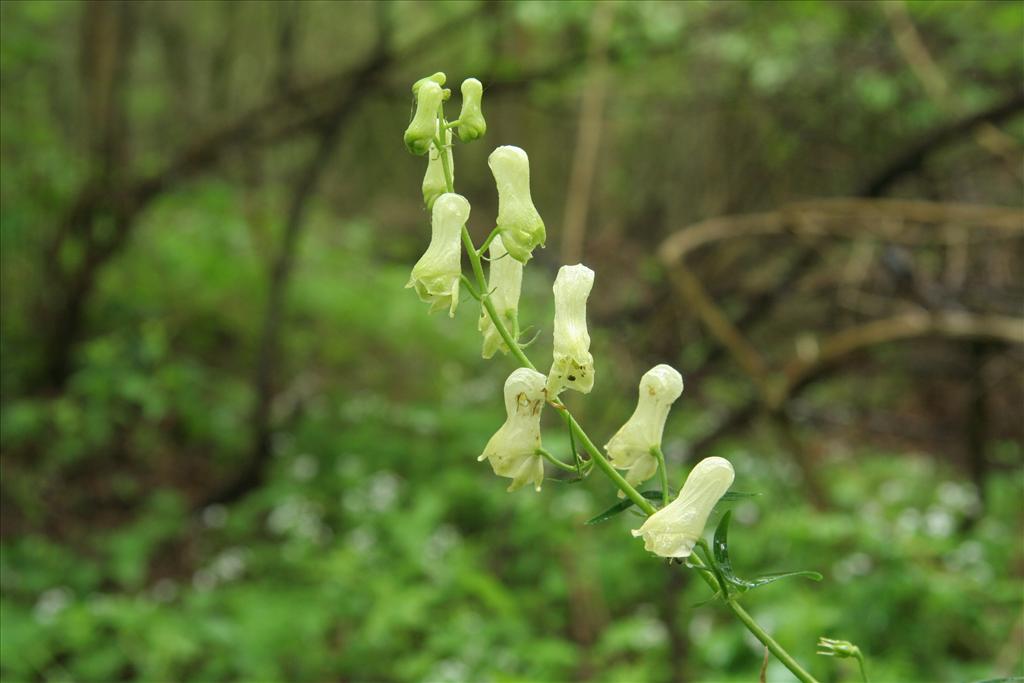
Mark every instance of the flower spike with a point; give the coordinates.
(518, 221)
(630, 448)
(514, 448)
(572, 366)
(436, 275)
(673, 530)
(504, 284)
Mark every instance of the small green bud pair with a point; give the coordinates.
(430, 93)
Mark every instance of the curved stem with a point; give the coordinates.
(863, 668)
(555, 461)
(487, 242)
(660, 457)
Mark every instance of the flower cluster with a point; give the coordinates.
(515, 450)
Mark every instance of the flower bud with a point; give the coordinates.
(434, 184)
(572, 366)
(436, 275)
(513, 448)
(504, 285)
(630, 448)
(471, 117)
(420, 132)
(830, 647)
(521, 226)
(673, 530)
(438, 78)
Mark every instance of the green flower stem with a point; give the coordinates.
(603, 463)
(469, 285)
(770, 643)
(748, 621)
(863, 667)
(487, 242)
(592, 450)
(555, 461)
(660, 456)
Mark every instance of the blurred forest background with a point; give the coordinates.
(236, 449)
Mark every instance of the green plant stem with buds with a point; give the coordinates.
(595, 454)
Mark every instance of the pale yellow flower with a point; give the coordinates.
(673, 530)
(521, 226)
(572, 366)
(504, 283)
(513, 450)
(630, 448)
(436, 275)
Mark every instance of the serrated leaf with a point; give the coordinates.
(621, 507)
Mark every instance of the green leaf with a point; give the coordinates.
(721, 551)
(737, 495)
(765, 579)
(621, 507)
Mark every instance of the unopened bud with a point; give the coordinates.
(471, 118)
(420, 132)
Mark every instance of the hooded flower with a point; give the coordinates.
(572, 366)
(630, 448)
(513, 448)
(521, 226)
(434, 184)
(673, 530)
(424, 123)
(504, 284)
(436, 275)
(471, 118)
